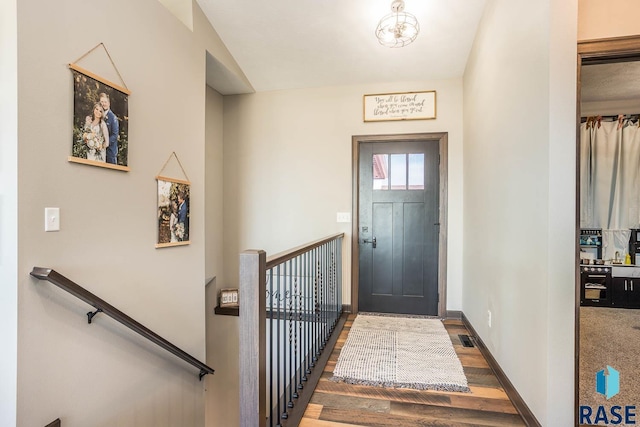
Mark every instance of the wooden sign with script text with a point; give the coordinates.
(400, 106)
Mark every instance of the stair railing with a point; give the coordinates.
(104, 307)
(291, 304)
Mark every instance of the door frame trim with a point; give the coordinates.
(591, 52)
(441, 138)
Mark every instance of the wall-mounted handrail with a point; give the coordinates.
(102, 306)
(55, 423)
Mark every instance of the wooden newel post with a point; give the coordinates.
(253, 338)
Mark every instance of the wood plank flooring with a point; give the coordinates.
(344, 405)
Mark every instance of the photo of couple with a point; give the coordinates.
(173, 213)
(100, 123)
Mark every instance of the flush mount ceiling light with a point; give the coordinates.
(398, 28)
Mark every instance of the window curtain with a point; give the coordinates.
(610, 174)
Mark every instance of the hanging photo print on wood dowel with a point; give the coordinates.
(173, 209)
(100, 120)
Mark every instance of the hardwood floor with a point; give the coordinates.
(344, 405)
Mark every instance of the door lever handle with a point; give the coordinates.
(372, 241)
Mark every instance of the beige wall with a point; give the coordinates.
(288, 167)
(298, 142)
(287, 170)
(607, 18)
(102, 374)
(181, 9)
(8, 211)
(222, 331)
(519, 190)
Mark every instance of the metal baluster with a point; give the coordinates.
(332, 283)
(323, 279)
(340, 275)
(307, 312)
(295, 296)
(270, 302)
(290, 383)
(323, 297)
(284, 346)
(338, 287)
(328, 293)
(335, 283)
(315, 308)
(278, 395)
(300, 362)
(320, 284)
(312, 309)
(331, 304)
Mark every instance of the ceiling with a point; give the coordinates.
(611, 81)
(289, 44)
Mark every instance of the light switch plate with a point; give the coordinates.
(343, 217)
(51, 219)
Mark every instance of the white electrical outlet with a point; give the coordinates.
(489, 318)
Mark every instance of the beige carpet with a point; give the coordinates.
(404, 352)
(609, 336)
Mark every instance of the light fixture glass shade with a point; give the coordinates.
(398, 28)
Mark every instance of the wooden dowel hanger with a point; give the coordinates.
(593, 121)
(611, 118)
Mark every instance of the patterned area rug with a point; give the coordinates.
(404, 352)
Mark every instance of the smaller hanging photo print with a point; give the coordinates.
(173, 212)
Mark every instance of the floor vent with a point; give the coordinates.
(466, 341)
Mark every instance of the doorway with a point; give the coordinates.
(398, 249)
(602, 311)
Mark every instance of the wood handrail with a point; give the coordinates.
(104, 307)
(276, 259)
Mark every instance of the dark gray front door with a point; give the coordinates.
(398, 227)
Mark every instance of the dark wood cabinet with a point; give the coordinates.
(625, 292)
(607, 286)
(619, 288)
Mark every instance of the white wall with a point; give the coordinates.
(561, 258)
(8, 211)
(607, 18)
(519, 197)
(103, 374)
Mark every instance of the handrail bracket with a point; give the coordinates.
(91, 314)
